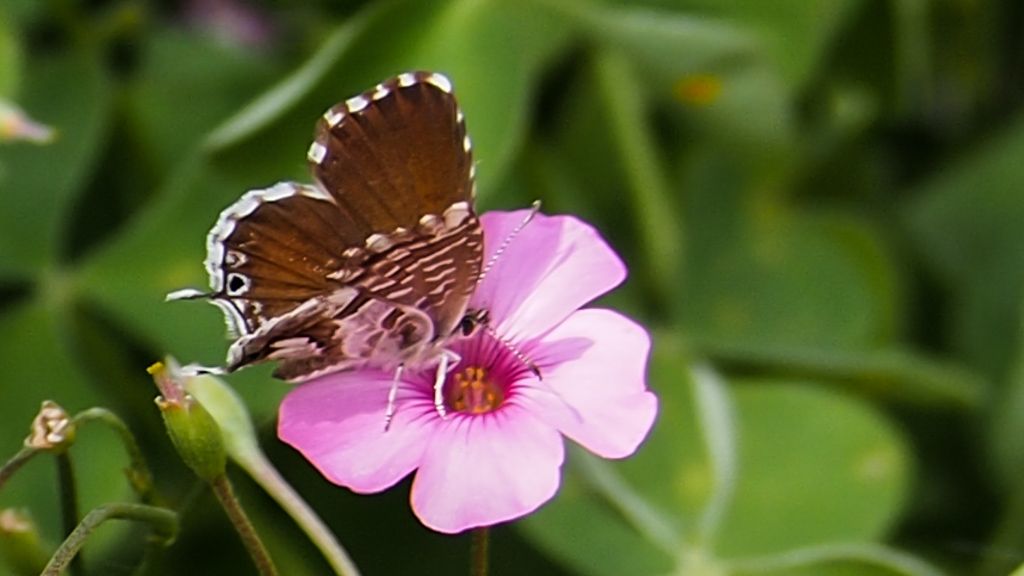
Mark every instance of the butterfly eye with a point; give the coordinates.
(473, 320)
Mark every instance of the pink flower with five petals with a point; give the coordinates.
(498, 454)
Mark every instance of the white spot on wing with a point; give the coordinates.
(378, 242)
(333, 117)
(356, 103)
(317, 152)
(440, 81)
(234, 259)
(380, 92)
(279, 191)
(316, 193)
(456, 214)
(407, 79)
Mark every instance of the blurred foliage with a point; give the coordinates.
(820, 202)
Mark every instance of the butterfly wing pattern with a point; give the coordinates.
(375, 263)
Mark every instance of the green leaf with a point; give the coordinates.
(891, 374)
(40, 183)
(777, 279)
(668, 45)
(712, 70)
(966, 222)
(1006, 433)
(287, 93)
(770, 467)
(816, 467)
(796, 33)
(10, 59)
(186, 67)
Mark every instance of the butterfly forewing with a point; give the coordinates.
(406, 142)
(373, 265)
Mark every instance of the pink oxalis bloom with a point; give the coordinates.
(498, 454)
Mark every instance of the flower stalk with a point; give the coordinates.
(15, 463)
(69, 505)
(479, 551)
(240, 520)
(138, 474)
(162, 522)
(242, 447)
(260, 470)
(200, 442)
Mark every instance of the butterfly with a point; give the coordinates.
(373, 265)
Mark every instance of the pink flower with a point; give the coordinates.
(498, 454)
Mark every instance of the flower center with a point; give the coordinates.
(472, 392)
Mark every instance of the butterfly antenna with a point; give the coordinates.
(532, 367)
(185, 294)
(507, 241)
(515, 351)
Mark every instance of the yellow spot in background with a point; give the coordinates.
(698, 89)
(877, 465)
(695, 482)
(179, 272)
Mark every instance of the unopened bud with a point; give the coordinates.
(194, 433)
(52, 429)
(20, 544)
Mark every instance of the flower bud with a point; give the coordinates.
(224, 404)
(20, 545)
(194, 433)
(52, 429)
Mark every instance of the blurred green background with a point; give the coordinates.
(819, 201)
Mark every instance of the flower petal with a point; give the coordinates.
(481, 470)
(337, 423)
(594, 388)
(555, 265)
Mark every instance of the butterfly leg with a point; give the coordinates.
(389, 413)
(442, 373)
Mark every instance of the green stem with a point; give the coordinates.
(659, 229)
(163, 522)
(69, 504)
(222, 488)
(260, 470)
(138, 473)
(17, 461)
(806, 559)
(479, 551)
